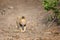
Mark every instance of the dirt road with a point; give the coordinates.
(34, 13)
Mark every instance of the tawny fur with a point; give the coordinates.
(21, 21)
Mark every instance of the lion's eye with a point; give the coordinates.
(25, 25)
(20, 24)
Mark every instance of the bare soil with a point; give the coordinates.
(35, 14)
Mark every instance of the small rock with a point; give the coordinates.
(10, 7)
(48, 33)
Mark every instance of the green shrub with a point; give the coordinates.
(52, 5)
